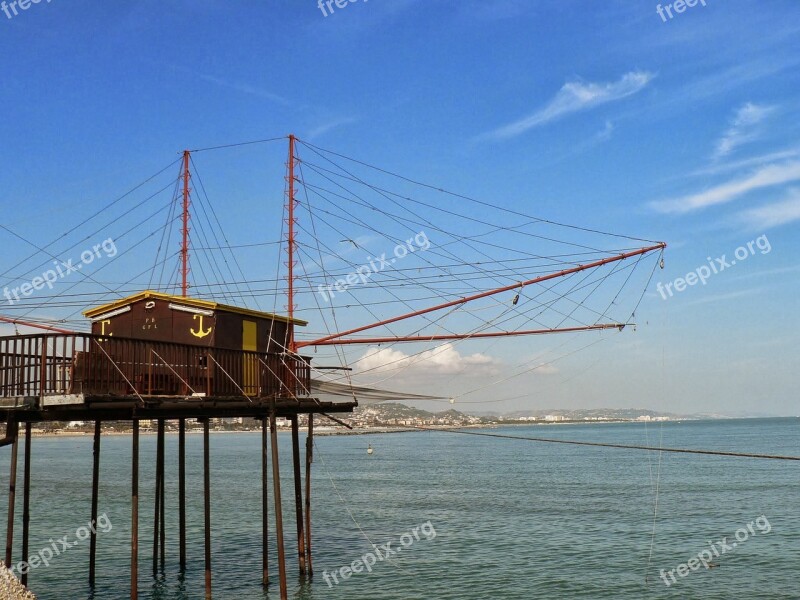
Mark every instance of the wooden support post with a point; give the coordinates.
(95, 484)
(309, 460)
(135, 512)
(276, 482)
(207, 496)
(12, 428)
(26, 500)
(264, 503)
(298, 496)
(157, 498)
(162, 486)
(182, 491)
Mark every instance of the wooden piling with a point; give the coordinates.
(26, 498)
(309, 460)
(162, 487)
(157, 497)
(276, 482)
(182, 492)
(207, 503)
(135, 512)
(95, 485)
(12, 427)
(264, 503)
(298, 496)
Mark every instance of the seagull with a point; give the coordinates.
(344, 241)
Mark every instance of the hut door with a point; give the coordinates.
(250, 365)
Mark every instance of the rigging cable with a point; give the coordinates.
(616, 446)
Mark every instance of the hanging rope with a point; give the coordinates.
(618, 446)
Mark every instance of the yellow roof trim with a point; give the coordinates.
(196, 302)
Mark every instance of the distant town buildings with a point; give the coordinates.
(386, 415)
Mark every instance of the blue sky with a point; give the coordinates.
(597, 114)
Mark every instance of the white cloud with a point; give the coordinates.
(773, 215)
(743, 128)
(326, 127)
(444, 360)
(574, 97)
(547, 369)
(724, 167)
(764, 177)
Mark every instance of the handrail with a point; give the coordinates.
(36, 365)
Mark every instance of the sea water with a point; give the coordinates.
(465, 517)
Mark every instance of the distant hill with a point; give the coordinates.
(584, 413)
(396, 410)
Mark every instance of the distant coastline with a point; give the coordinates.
(330, 430)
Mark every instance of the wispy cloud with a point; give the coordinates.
(605, 133)
(741, 74)
(773, 215)
(244, 88)
(573, 97)
(577, 148)
(764, 177)
(743, 128)
(723, 297)
(762, 159)
(326, 127)
(767, 272)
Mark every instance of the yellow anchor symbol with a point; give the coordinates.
(200, 333)
(103, 326)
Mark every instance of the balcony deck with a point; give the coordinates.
(66, 377)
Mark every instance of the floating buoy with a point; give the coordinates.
(369, 449)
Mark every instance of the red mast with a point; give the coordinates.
(290, 242)
(185, 243)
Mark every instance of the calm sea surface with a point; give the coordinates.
(512, 519)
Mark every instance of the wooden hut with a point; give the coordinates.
(195, 347)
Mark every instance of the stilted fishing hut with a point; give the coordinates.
(159, 357)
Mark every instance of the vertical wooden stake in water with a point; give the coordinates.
(95, 484)
(182, 491)
(26, 498)
(309, 460)
(207, 494)
(157, 499)
(264, 504)
(298, 496)
(135, 512)
(276, 482)
(13, 428)
(162, 487)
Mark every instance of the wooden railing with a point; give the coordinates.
(48, 364)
